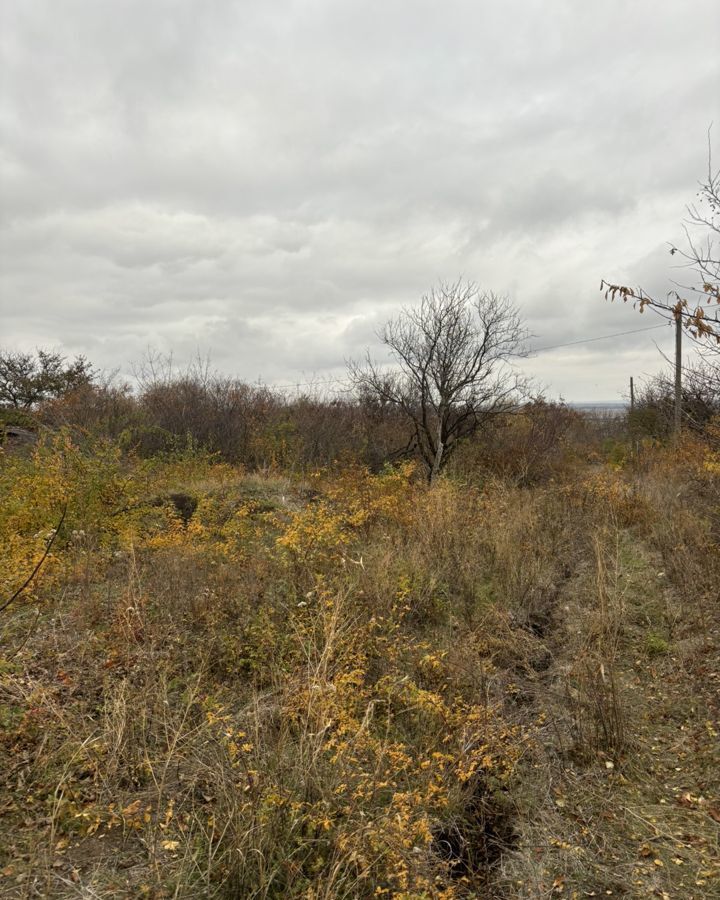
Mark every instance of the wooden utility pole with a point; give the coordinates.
(631, 420)
(678, 373)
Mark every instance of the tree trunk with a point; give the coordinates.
(439, 450)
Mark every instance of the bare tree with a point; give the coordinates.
(453, 353)
(654, 403)
(700, 315)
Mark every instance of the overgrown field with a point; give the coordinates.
(242, 684)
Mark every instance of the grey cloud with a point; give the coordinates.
(270, 181)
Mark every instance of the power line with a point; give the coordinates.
(603, 337)
(322, 382)
(317, 382)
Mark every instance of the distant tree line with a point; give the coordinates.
(171, 411)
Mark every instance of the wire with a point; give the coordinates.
(321, 382)
(317, 382)
(603, 337)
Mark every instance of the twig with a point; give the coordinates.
(37, 568)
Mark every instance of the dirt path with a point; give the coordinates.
(641, 819)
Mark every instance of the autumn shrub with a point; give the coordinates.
(257, 426)
(345, 777)
(102, 408)
(56, 481)
(529, 446)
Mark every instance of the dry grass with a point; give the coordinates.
(358, 686)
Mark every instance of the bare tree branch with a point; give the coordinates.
(701, 315)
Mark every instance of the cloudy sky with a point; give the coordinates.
(267, 182)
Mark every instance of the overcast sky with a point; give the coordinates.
(267, 182)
